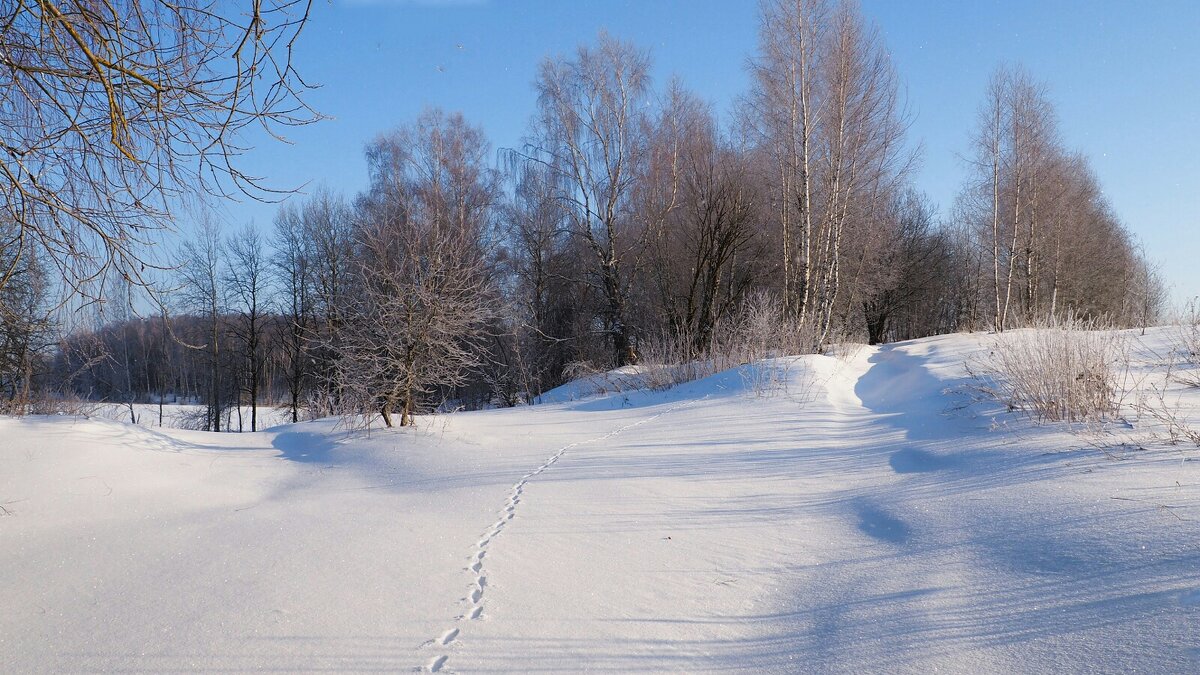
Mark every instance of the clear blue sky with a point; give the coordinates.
(1125, 77)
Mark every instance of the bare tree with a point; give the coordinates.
(910, 264)
(199, 267)
(1031, 143)
(117, 309)
(988, 146)
(862, 133)
(1053, 245)
(247, 286)
(826, 105)
(290, 266)
(327, 224)
(589, 132)
(694, 246)
(422, 291)
(1015, 149)
(26, 329)
(785, 108)
(537, 259)
(1147, 294)
(113, 112)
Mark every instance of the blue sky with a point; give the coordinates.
(1125, 77)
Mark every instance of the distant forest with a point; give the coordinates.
(629, 227)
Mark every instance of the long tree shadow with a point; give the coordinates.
(876, 522)
(904, 395)
(899, 387)
(304, 446)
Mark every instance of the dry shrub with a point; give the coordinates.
(1173, 423)
(1186, 369)
(599, 381)
(580, 370)
(1071, 370)
(757, 336)
(667, 360)
(765, 335)
(46, 404)
(194, 419)
(1182, 365)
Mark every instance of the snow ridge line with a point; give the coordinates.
(475, 598)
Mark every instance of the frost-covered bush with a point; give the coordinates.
(1187, 346)
(1174, 425)
(1167, 405)
(668, 360)
(1072, 370)
(759, 331)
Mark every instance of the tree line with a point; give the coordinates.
(629, 225)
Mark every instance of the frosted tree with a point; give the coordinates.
(423, 291)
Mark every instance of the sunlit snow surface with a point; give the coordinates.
(867, 516)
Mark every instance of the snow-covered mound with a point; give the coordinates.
(805, 515)
(615, 381)
(648, 384)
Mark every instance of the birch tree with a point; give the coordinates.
(826, 106)
(589, 132)
(785, 108)
(1050, 238)
(863, 160)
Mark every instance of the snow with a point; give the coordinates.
(865, 515)
(176, 415)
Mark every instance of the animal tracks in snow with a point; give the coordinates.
(507, 514)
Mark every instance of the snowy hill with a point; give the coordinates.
(863, 516)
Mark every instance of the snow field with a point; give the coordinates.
(864, 518)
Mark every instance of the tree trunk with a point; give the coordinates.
(254, 396)
(996, 213)
(215, 381)
(407, 417)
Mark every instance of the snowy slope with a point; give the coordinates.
(862, 518)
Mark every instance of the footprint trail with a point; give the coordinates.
(474, 611)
